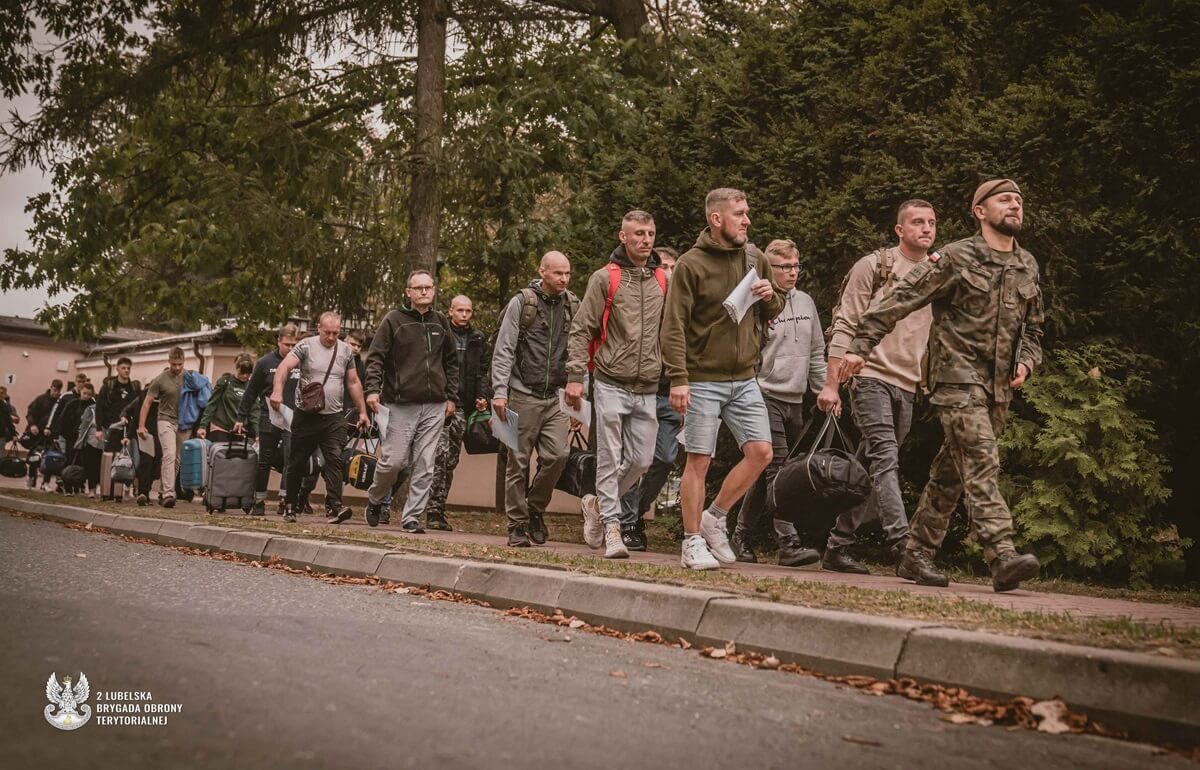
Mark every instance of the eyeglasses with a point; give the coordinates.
(790, 266)
(421, 289)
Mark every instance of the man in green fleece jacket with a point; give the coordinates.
(711, 361)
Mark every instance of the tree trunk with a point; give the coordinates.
(425, 197)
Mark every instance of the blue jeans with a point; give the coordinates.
(737, 403)
(637, 500)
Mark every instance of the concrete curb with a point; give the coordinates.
(1157, 698)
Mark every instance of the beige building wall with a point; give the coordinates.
(27, 367)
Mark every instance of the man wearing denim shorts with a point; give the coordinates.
(712, 362)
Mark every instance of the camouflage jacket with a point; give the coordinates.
(982, 301)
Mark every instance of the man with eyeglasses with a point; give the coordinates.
(412, 368)
(793, 363)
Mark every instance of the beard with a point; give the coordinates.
(1007, 227)
(737, 239)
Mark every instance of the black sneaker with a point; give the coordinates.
(259, 508)
(289, 513)
(517, 538)
(840, 560)
(372, 512)
(168, 501)
(413, 527)
(633, 540)
(793, 554)
(338, 515)
(917, 567)
(385, 514)
(742, 550)
(305, 507)
(1009, 569)
(143, 500)
(537, 528)
(439, 523)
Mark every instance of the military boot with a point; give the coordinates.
(1009, 569)
(917, 567)
(742, 550)
(840, 560)
(793, 554)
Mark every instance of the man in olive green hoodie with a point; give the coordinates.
(712, 361)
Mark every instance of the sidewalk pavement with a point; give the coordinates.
(1151, 695)
(1020, 600)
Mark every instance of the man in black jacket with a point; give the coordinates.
(271, 440)
(412, 368)
(117, 392)
(474, 390)
(37, 424)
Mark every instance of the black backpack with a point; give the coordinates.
(812, 488)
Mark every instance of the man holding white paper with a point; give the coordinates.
(615, 335)
(712, 363)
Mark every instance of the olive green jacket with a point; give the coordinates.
(987, 315)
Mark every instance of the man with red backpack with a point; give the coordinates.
(615, 335)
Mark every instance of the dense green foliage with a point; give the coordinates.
(225, 173)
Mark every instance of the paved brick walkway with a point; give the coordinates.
(1029, 601)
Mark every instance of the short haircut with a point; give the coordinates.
(462, 298)
(81, 377)
(124, 361)
(666, 251)
(175, 354)
(287, 330)
(355, 334)
(637, 215)
(87, 386)
(912, 203)
(55, 384)
(244, 362)
(330, 315)
(415, 273)
(782, 247)
(718, 197)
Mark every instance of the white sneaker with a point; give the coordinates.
(713, 530)
(614, 547)
(696, 554)
(593, 527)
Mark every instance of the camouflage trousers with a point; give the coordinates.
(445, 460)
(968, 464)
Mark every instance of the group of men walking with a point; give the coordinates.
(664, 361)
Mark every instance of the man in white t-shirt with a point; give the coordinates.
(323, 359)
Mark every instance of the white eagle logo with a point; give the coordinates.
(69, 701)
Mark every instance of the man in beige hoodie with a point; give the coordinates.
(882, 394)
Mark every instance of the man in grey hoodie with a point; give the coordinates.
(793, 363)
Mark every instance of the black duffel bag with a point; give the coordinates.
(579, 477)
(11, 466)
(813, 487)
(478, 438)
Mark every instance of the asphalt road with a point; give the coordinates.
(275, 670)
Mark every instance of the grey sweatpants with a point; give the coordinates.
(625, 427)
(411, 441)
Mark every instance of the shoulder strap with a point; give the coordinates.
(528, 308)
(884, 270)
(661, 276)
(614, 282)
(332, 358)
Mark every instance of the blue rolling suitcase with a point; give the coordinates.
(193, 464)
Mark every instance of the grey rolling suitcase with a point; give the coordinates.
(231, 469)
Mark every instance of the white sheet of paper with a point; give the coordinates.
(505, 432)
(740, 299)
(381, 420)
(583, 413)
(146, 445)
(281, 419)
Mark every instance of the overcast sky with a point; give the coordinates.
(15, 190)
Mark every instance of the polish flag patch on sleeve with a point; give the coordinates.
(934, 257)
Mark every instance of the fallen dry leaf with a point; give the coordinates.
(1054, 715)
(81, 555)
(717, 653)
(618, 674)
(576, 623)
(651, 664)
(684, 643)
(89, 525)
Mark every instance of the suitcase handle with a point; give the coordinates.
(241, 451)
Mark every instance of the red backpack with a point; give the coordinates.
(614, 280)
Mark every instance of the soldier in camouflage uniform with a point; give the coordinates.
(984, 342)
(475, 388)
